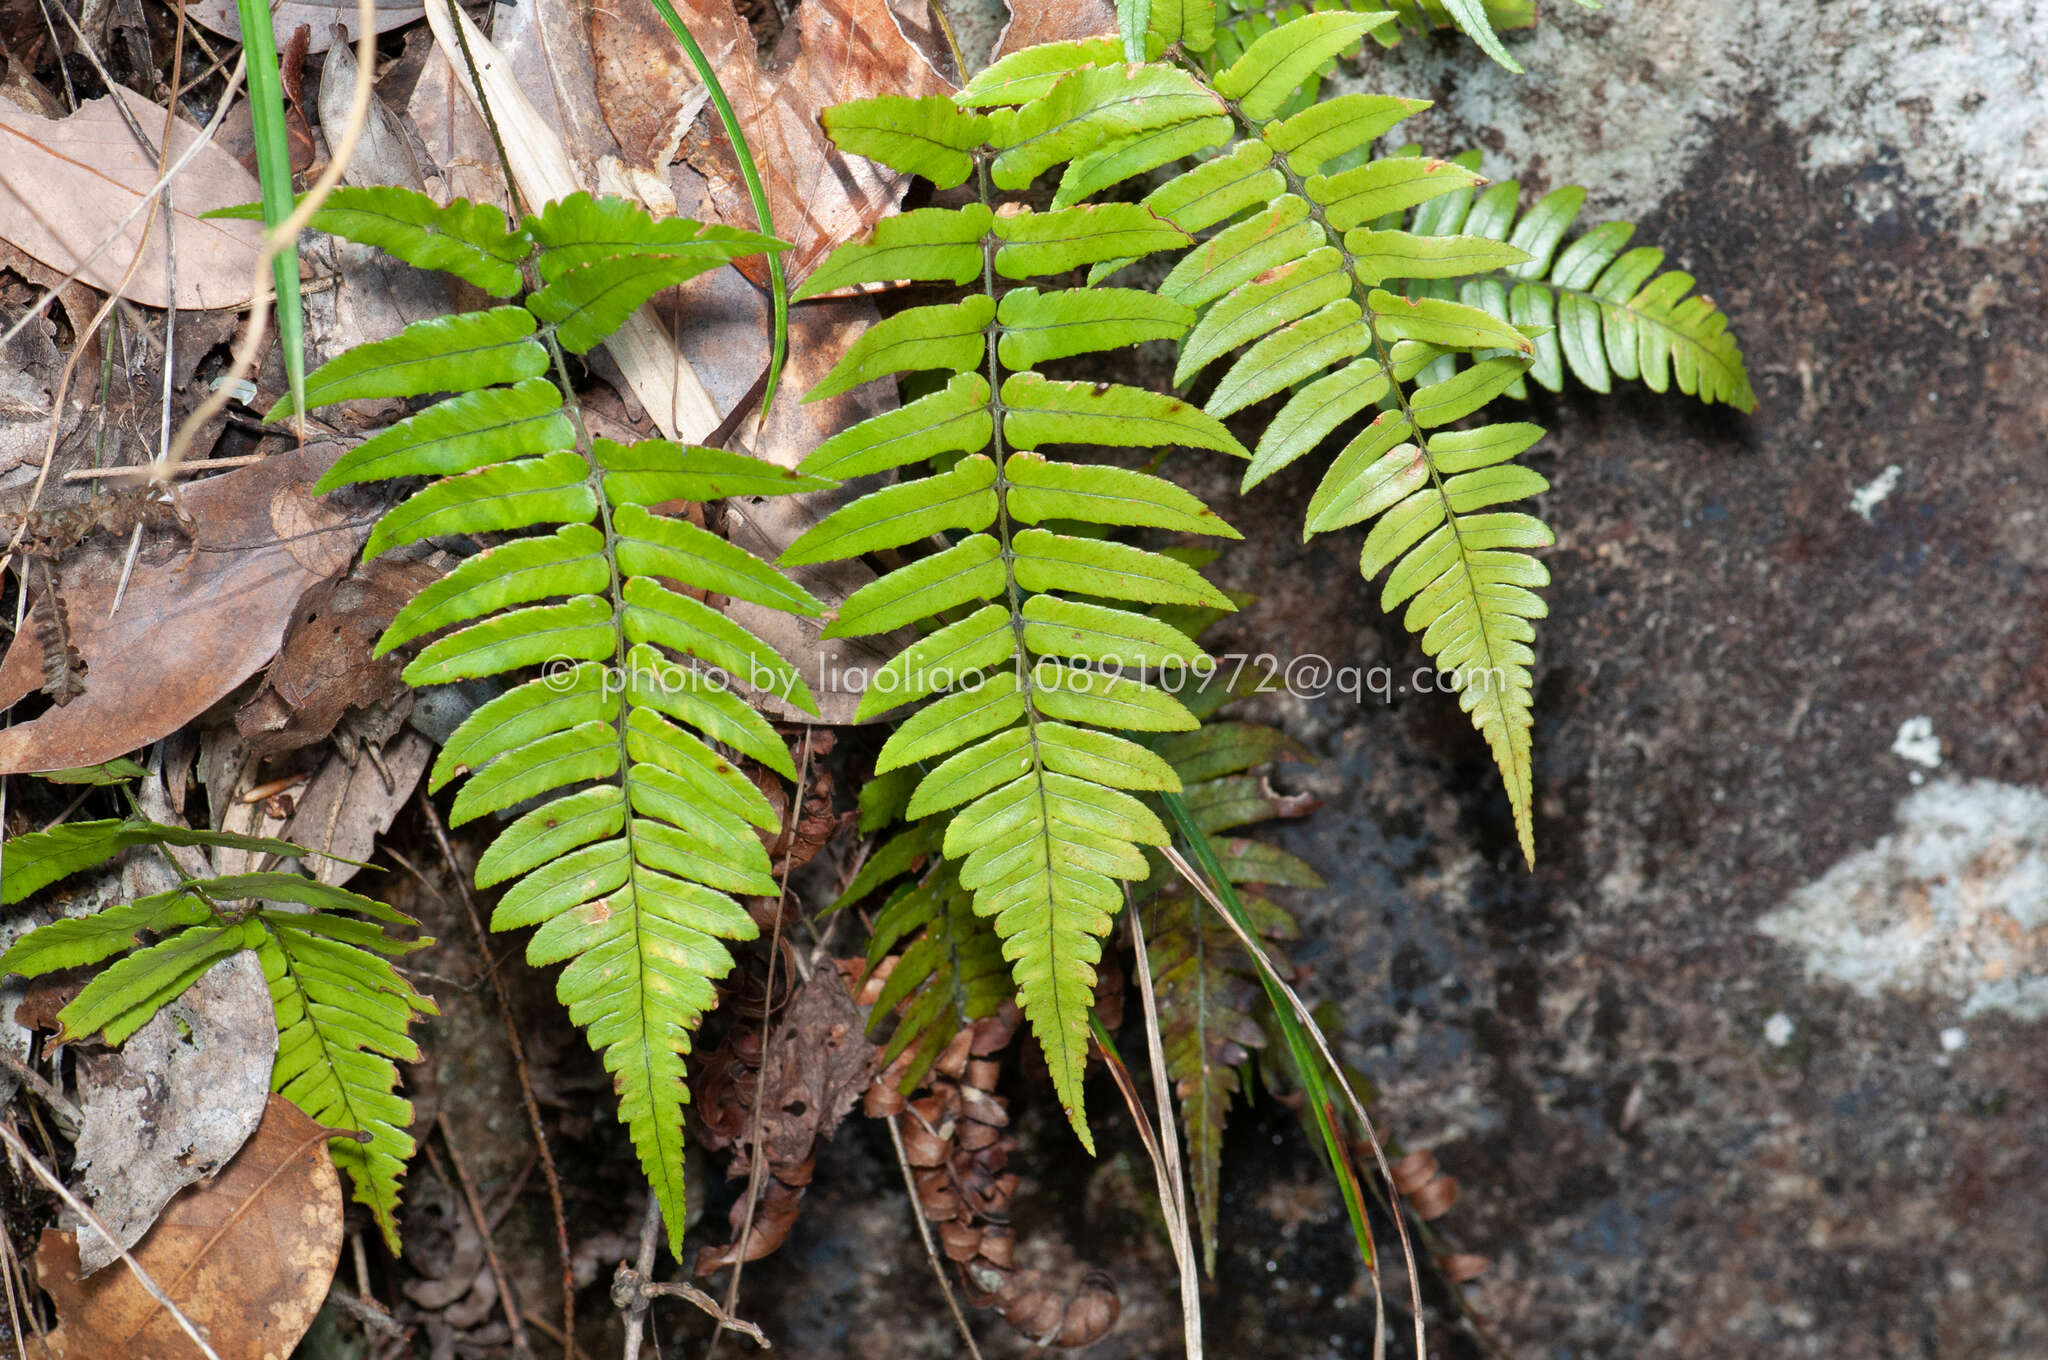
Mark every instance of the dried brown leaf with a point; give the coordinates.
(832, 51)
(325, 668)
(65, 185)
(247, 1256)
(196, 622)
(1042, 21)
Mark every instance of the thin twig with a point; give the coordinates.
(540, 1136)
(520, 1345)
(1315, 1031)
(757, 1174)
(281, 238)
(36, 1082)
(71, 1201)
(626, 1292)
(924, 1235)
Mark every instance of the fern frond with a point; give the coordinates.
(1614, 314)
(343, 1012)
(643, 828)
(1019, 695)
(948, 969)
(471, 241)
(1306, 232)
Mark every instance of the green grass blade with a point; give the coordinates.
(274, 172)
(1307, 1059)
(778, 286)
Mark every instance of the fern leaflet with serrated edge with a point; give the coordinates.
(640, 830)
(343, 1011)
(1031, 763)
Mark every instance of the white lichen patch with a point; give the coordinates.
(1954, 904)
(1871, 494)
(1917, 742)
(1940, 100)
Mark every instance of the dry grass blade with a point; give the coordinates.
(71, 1201)
(758, 1172)
(1301, 1011)
(1171, 1177)
(924, 1235)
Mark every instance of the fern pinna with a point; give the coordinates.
(342, 1010)
(1031, 674)
(1313, 272)
(642, 830)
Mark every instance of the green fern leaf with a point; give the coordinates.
(929, 136)
(444, 354)
(343, 1016)
(469, 240)
(1010, 726)
(641, 826)
(342, 1012)
(35, 861)
(1614, 314)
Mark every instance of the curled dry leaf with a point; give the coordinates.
(325, 668)
(248, 1257)
(223, 17)
(823, 1060)
(65, 185)
(197, 620)
(173, 1103)
(831, 51)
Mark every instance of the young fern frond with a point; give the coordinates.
(1243, 22)
(1614, 315)
(949, 969)
(1028, 760)
(632, 829)
(342, 1010)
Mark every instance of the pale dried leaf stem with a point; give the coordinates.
(924, 1235)
(283, 237)
(1173, 1184)
(1315, 1031)
(71, 1201)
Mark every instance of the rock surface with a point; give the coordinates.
(1676, 1137)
